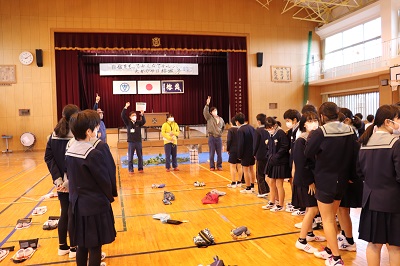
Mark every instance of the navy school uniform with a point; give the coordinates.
(278, 160)
(231, 145)
(260, 152)
(379, 167)
(352, 197)
(90, 195)
(245, 144)
(292, 135)
(303, 176)
(334, 148)
(98, 144)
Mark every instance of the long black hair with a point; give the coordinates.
(384, 112)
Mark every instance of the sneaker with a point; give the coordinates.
(290, 209)
(289, 205)
(62, 252)
(298, 225)
(262, 195)
(268, 206)
(344, 245)
(103, 255)
(332, 262)
(72, 254)
(219, 193)
(212, 169)
(167, 170)
(315, 238)
(314, 226)
(166, 202)
(199, 184)
(131, 172)
(219, 168)
(141, 171)
(306, 247)
(298, 213)
(176, 169)
(322, 254)
(276, 209)
(246, 191)
(103, 263)
(231, 185)
(157, 185)
(318, 220)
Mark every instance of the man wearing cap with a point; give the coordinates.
(101, 134)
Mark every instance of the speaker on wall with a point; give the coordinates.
(39, 57)
(259, 59)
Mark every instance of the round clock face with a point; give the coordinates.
(26, 58)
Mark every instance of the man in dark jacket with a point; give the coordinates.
(134, 134)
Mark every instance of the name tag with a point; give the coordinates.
(132, 130)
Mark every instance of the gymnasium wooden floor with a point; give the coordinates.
(141, 240)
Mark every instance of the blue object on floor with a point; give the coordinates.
(203, 158)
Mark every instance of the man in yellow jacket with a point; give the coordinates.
(170, 132)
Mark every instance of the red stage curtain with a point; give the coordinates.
(67, 80)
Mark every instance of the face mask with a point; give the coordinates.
(396, 131)
(133, 118)
(214, 113)
(311, 126)
(289, 125)
(271, 132)
(170, 119)
(95, 131)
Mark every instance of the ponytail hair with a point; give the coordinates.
(355, 120)
(384, 112)
(62, 127)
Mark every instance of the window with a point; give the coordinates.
(356, 44)
(364, 103)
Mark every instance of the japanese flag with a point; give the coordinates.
(149, 87)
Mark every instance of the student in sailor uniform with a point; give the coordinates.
(134, 134)
(245, 136)
(90, 190)
(379, 161)
(292, 119)
(277, 167)
(98, 144)
(334, 148)
(304, 184)
(235, 166)
(260, 151)
(55, 160)
(352, 197)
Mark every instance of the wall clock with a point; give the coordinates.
(26, 58)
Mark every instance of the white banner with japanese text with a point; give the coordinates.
(126, 69)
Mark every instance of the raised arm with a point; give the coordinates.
(206, 110)
(123, 114)
(143, 120)
(96, 104)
